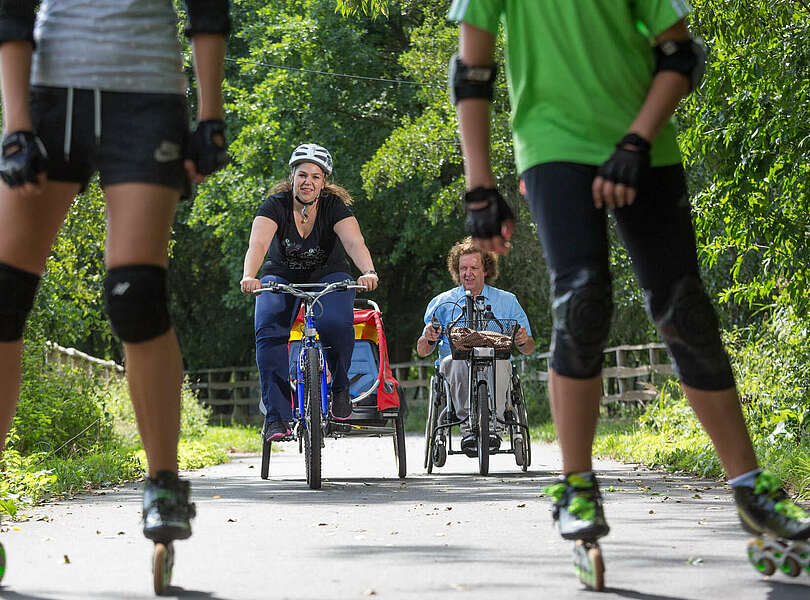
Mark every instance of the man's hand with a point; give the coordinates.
(432, 333)
(521, 337)
(23, 162)
(490, 220)
(207, 151)
(617, 180)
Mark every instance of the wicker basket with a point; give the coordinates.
(491, 333)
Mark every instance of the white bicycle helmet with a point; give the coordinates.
(312, 153)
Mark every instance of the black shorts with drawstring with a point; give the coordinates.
(128, 137)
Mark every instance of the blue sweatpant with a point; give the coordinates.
(275, 314)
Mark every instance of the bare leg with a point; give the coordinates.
(575, 410)
(30, 228)
(719, 413)
(138, 231)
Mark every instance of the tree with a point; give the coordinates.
(746, 143)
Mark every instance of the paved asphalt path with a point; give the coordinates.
(368, 534)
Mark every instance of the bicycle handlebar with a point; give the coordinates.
(300, 289)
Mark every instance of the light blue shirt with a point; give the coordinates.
(449, 305)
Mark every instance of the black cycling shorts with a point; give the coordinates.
(656, 229)
(128, 137)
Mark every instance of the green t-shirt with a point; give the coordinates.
(578, 72)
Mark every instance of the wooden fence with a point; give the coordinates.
(630, 374)
(71, 358)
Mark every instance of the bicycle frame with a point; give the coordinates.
(309, 341)
(310, 294)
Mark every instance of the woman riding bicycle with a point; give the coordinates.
(306, 224)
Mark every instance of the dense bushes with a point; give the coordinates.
(60, 410)
(74, 430)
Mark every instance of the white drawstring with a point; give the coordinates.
(97, 98)
(68, 123)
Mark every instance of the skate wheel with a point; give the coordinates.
(790, 567)
(758, 557)
(2, 562)
(589, 566)
(162, 563)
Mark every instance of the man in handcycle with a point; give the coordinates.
(472, 268)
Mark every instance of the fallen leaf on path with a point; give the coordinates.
(67, 559)
(521, 505)
(694, 561)
(121, 533)
(231, 520)
(370, 593)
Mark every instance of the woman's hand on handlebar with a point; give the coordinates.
(371, 281)
(249, 285)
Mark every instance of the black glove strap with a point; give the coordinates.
(485, 222)
(23, 158)
(206, 154)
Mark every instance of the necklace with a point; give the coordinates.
(304, 215)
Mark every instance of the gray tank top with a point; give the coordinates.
(111, 45)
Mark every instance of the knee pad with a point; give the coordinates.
(688, 326)
(135, 300)
(582, 308)
(17, 291)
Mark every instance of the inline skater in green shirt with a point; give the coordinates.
(593, 85)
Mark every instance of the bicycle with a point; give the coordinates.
(480, 339)
(311, 414)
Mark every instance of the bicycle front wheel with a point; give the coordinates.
(312, 415)
(482, 400)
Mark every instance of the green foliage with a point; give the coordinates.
(773, 363)
(744, 137)
(60, 411)
(69, 305)
(236, 438)
(193, 415)
(367, 7)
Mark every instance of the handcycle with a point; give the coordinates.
(376, 398)
(480, 339)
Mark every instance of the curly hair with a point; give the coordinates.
(466, 246)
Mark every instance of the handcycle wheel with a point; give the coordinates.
(399, 446)
(267, 448)
(431, 422)
(519, 402)
(482, 401)
(312, 410)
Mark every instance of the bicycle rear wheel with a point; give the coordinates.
(312, 414)
(482, 401)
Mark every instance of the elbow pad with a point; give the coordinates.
(687, 57)
(207, 16)
(17, 20)
(470, 82)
